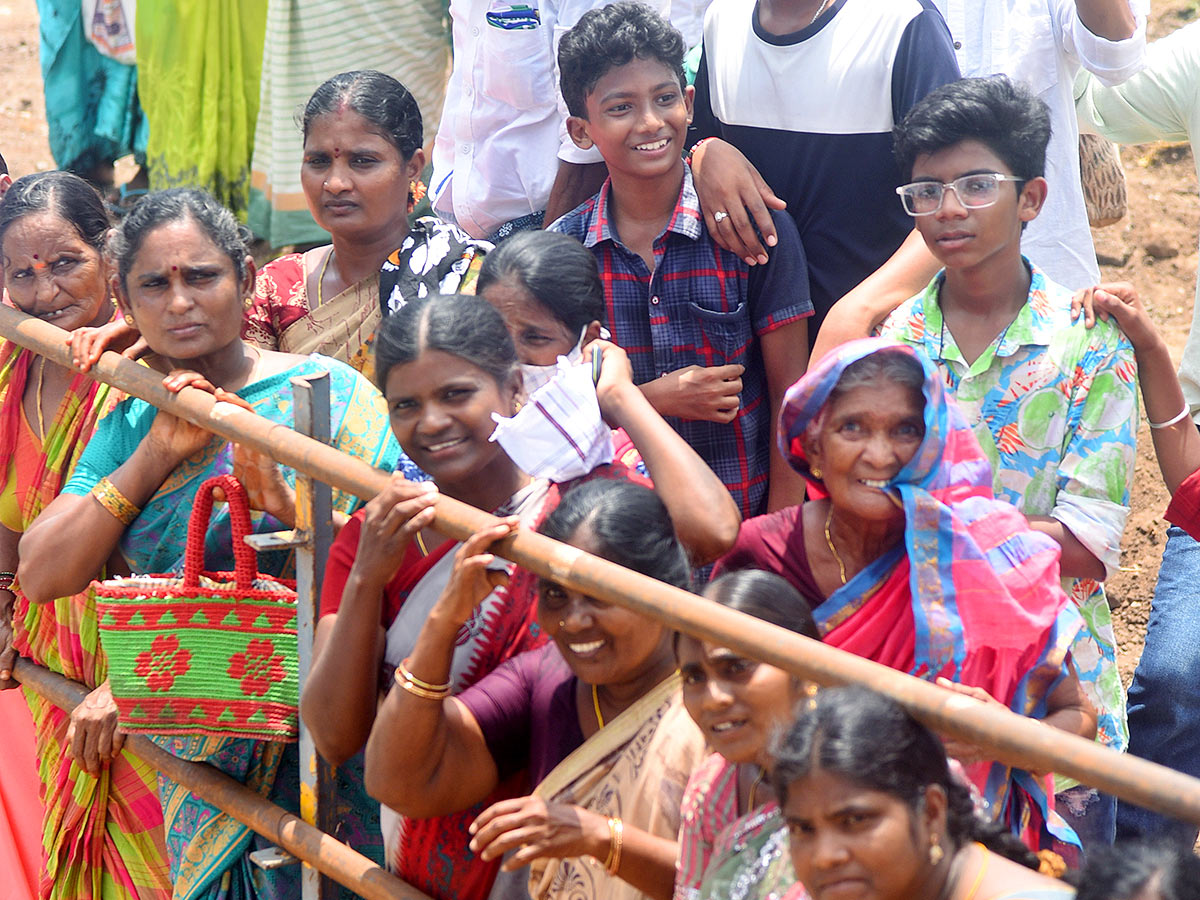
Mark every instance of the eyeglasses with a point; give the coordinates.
(923, 198)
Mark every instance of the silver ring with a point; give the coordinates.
(720, 216)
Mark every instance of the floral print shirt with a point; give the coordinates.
(1055, 407)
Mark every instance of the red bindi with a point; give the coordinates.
(174, 268)
(35, 256)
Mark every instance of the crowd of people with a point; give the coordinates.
(802, 320)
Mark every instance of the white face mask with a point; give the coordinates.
(535, 377)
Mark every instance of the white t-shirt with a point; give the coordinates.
(1043, 44)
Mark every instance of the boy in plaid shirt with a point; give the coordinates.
(713, 343)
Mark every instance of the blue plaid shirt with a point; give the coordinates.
(701, 306)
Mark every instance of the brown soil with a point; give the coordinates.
(1164, 217)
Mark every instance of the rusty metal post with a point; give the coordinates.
(1008, 738)
(302, 840)
(314, 520)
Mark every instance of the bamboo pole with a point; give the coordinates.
(315, 847)
(1007, 737)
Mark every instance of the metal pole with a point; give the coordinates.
(1009, 738)
(300, 839)
(314, 520)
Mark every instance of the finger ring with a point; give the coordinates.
(720, 216)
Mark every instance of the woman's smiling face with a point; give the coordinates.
(867, 435)
(51, 272)
(602, 643)
(441, 406)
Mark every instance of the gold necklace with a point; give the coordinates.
(817, 14)
(596, 704)
(38, 399)
(750, 804)
(321, 278)
(833, 549)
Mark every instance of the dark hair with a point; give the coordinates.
(872, 741)
(466, 326)
(630, 524)
(607, 38)
(67, 196)
(765, 596)
(1005, 117)
(380, 99)
(174, 205)
(558, 272)
(892, 364)
(3, 165)
(1124, 871)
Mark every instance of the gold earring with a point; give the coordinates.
(936, 853)
(129, 321)
(816, 472)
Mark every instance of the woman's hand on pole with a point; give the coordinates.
(471, 580)
(390, 521)
(93, 736)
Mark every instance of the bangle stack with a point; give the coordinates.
(616, 835)
(419, 688)
(1183, 414)
(116, 503)
(8, 581)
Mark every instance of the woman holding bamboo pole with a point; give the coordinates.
(593, 719)
(908, 559)
(447, 368)
(101, 826)
(182, 276)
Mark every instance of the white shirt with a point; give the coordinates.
(1043, 44)
(503, 127)
(1160, 103)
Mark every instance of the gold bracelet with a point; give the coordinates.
(616, 834)
(117, 504)
(408, 676)
(418, 691)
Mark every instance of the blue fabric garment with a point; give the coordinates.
(92, 107)
(1164, 705)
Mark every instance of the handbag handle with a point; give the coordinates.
(245, 560)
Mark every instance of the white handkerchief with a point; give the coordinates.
(559, 433)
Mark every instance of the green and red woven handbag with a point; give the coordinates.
(213, 653)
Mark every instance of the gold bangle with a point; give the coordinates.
(116, 503)
(408, 676)
(418, 691)
(616, 834)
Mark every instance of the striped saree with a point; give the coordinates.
(103, 836)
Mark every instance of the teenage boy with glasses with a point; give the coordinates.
(1053, 404)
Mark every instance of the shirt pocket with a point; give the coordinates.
(726, 334)
(518, 68)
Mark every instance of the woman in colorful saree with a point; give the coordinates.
(907, 558)
(101, 829)
(447, 368)
(732, 837)
(593, 719)
(362, 155)
(183, 274)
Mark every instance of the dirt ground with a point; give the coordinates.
(1154, 247)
